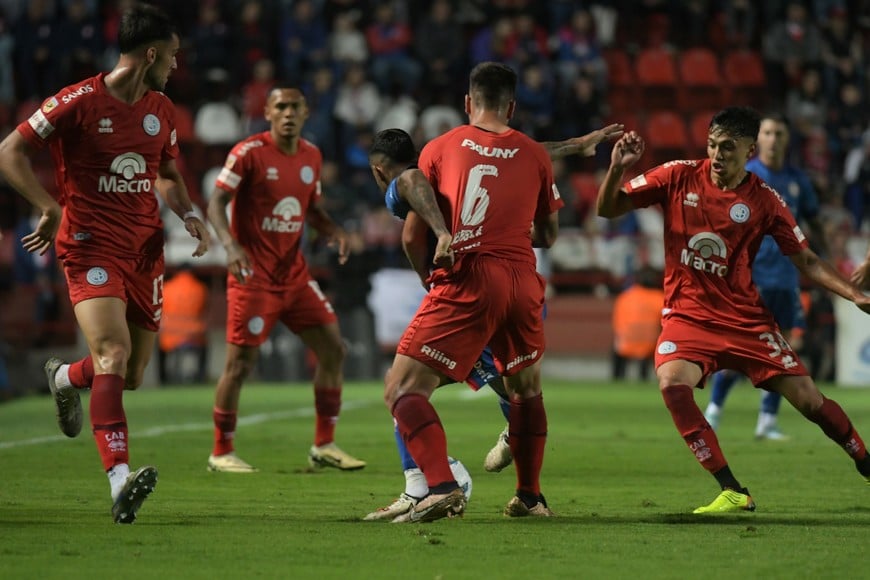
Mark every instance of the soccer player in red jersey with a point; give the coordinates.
(273, 180)
(493, 184)
(113, 141)
(716, 214)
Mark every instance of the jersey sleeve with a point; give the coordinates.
(50, 119)
(784, 228)
(549, 198)
(394, 202)
(427, 162)
(232, 173)
(170, 147)
(650, 188)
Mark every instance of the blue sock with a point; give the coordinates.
(770, 402)
(505, 408)
(722, 383)
(404, 455)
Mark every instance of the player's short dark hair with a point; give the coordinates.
(777, 117)
(737, 122)
(142, 24)
(494, 84)
(395, 144)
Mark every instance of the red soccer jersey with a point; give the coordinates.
(273, 191)
(106, 156)
(711, 237)
(491, 186)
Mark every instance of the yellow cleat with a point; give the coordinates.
(728, 501)
(330, 455)
(229, 463)
(517, 509)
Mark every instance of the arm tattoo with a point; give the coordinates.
(422, 200)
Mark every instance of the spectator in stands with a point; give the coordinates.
(534, 115)
(529, 43)
(579, 109)
(856, 174)
(356, 105)
(251, 40)
(210, 39)
(492, 42)
(741, 24)
(438, 43)
(347, 44)
(637, 316)
(254, 95)
(82, 44)
(847, 120)
(398, 110)
(320, 128)
(806, 106)
(183, 328)
(791, 44)
(7, 67)
(579, 52)
(36, 32)
(302, 39)
(440, 116)
(842, 53)
(389, 41)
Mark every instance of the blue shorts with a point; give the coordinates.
(785, 305)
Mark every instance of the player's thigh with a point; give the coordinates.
(307, 313)
(686, 353)
(324, 339)
(519, 341)
(799, 390)
(251, 315)
(142, 345)
(103, 323)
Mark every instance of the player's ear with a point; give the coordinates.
(511, 108)
(467, 104)
(150, 54)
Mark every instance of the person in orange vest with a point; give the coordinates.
(637, 314)
(184, 325)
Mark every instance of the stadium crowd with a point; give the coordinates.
(369, 65)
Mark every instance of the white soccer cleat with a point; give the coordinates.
(136, 489)
(67, 403)
(403, 504)
(229, 463)
(499, 456)
(713, 416)
(330, 455)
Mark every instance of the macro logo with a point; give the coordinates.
(282, 215)
(705, 252)
(124, 169)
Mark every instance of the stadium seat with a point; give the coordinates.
(657, 79)
(744, 73)
(666, 137)
(217, 123)
(621, 82)
(702, 86)
(699, 125)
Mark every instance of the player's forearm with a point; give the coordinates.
(418, 256)
(610, 202)
(320, 221)
(217, 217)
(175, 195)
(421, 198)
(560, 149)
(825, 275)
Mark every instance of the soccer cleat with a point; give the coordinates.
(436, 506)
(401, 506)
(772, 434)
(713, 416)
(229, 463)
(499, 456)
(137, 488)
(67, 403)
(330, 455)
(729, 501)
(516, 508)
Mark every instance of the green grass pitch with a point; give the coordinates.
(616, 472)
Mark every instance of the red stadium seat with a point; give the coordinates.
(621, 82)
(702, 86)
(666, 137)
(744, 73)
(657, 78)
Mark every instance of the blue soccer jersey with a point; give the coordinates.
(771, 269)
(397, 206)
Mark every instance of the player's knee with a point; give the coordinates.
(238, 369)
(111, 358)
(132, 381)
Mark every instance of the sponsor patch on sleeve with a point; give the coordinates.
(40, 124)
(556, 194)
(799, 234)
(638, 181)
(173, 138)
(49, 104)
(229, 178)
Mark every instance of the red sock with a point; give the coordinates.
(690, 422)
(837, 426)
(327, 404)
(108, 421)
(224, 430)
(424, 436)
(81, 373)
(527, 436)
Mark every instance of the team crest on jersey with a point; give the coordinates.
(739, 213)
(256, 325)
(667, 347)
(97, 276)
(306, 174)
(49, 105)
(151, 124)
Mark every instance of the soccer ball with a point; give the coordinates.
(463, 478)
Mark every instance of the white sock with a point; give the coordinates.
(61, 377)
(713, 409)
(117, 478)
(415, 483)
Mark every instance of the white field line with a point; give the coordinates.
(165, 429)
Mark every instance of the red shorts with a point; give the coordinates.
(483, 301)
(252, 312)
(137, 281)
(757, 350)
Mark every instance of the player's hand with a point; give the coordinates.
(238, 263)
(627, 150)
(41, 238)
(595, 138)
(339, 239)
(444, 256)
(861, 276)
(863, 302)
(197, 229)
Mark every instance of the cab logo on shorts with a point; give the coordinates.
(97, 276)
(705, 252)
(667, 347)
(256, 325)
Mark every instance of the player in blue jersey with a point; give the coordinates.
(773, 273)
(393, 161)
